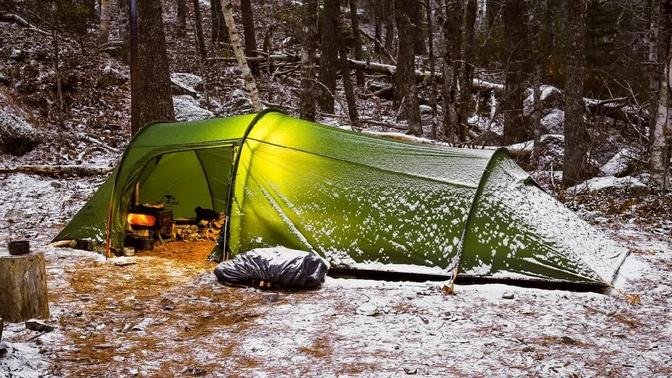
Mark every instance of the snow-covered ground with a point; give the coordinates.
(168, 316)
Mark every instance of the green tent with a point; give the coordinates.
(362, 202)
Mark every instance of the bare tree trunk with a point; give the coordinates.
(432, 66)
(662, 128)
(329, 55)
(515, 25)
(181, 17)
(309, 10)
(198, 29)
(537, 57)
(153, 101)
(405, 95)
(356, 40)
(415, 15)
(389, 24)
(469, 20)
(250, 84)
(449, 89)
(220, 33)
(124, 26)
(57, 70)
(248, 31)
(576, 138)
(350, 97)
(104, 27)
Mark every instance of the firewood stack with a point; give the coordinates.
(204, 230)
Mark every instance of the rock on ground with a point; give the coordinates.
(17, 136)
(188, 108)
(551, 151)
(620, 163)
(601, 183)
(186, 84)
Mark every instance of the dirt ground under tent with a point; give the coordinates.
(165, 314)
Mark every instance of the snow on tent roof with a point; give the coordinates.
(357, 200)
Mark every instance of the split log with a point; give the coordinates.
(56, 170)
(23, 280)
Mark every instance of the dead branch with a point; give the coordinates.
(18, 20)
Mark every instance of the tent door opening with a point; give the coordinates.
(180, 196)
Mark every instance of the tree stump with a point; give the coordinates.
(23, 287)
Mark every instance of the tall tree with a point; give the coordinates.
(468, 25)
(248, 32)
(356, 40)
(220, 34)
(388, 14)
(452, 21)
(660, 90)
(328, 54)
(151, 87)
(415, 16)
(250, 83)
(309, 11)
(405, 94)
(181, 17)
(515, 14)
(576, 138)
(198, 29)
(104, 28)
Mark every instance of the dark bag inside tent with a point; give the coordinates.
(277, 267)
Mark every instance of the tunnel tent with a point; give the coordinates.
(364, 203)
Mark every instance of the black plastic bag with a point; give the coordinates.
(276, 267)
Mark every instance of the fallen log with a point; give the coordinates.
(56, 170)
(18, 20)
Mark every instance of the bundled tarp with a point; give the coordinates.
(277, 267)
(361, 202)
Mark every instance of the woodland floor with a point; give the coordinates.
(166, 315)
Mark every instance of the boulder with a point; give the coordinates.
(111, 75)
(188, 108)
(551, 152)
(17, 136)
(620, 163)
(603, 183)
(183, 83)
(553, 122)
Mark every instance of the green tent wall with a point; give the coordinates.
(362, 202)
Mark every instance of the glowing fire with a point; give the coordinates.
(143, 220)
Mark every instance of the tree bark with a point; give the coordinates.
(104, 26)
(350, 97)
(389, 24)
(248, 32)
(537, 57)
(153, 101)
(198, 29)
(469, 20)
(576, 138)
(329, 55)
(220, 33)
(662, 129)
(356, 40)
(449, 90)
(515, 25)
(432, 66)
(415, 16)
(250, 84)
(406, 95)
(309, 10)
(181, 17)
(23, 280)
